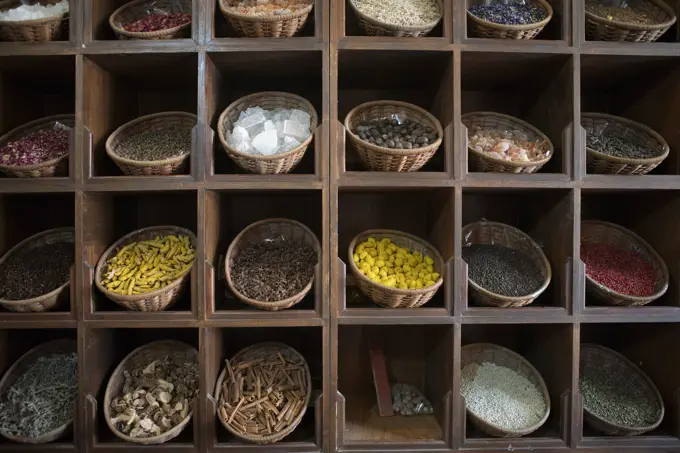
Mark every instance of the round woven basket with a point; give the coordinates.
(37, 30)
(148, 123)
(607, 233)
(140, 357)
(266, 165)
(618, 365)
(386, 296)
(380, 158)
(511, 237)
(603, 29)
(54, 167)
(257, 233)
(54, 298)
(159, 299)
(480, 353)
(137, 9)
(62, 346)
(257, 352)
(597, 162)
(481, 28)
(374, 27)
(271, 26)
(479, 161)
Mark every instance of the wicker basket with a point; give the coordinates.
(602, 163)
(37, 30)
(19, 367)
(619, 365)
(374, 27)
(603, 29)
(481, 28)
(258, 352)
(508, 236)
(148, 123)
(54, 167)
(54, 298)
(272, 26)
(379, 158)
(142, 356)
(159, 299)
(137, 9)
(386, 296)
(479, 161)
(258, 232)
(614, 235)
(268, 100)
(491, 353)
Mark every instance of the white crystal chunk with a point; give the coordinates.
(295, 129)
(266, 142)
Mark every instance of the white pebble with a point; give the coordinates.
(32, 12)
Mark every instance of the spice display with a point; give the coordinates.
(156, 145)
(406, 13)
(157, 21)
(408, 400)
(623, 271)
(141, 267)
(625, 13)
(396, 267)
(36, 11)
(515, 146)
(267, 7)
(32, 272)
(501, 396)
(155, 397)
(396, 133)
(37, 147)
(502, 270)
(510, 13)
(618, 146)
(42, 399)
(269, 132)
(274, 270)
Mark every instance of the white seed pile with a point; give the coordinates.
(501, 396)
(400, 12)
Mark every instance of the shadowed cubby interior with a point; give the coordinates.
(121, 88)
(536, 88)
(110, 216)
(352, 27)
(232, 75)
(222, 29)
(423, 78)
(555, 30)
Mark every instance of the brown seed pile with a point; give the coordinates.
(632, 15)
(156, 145)
(393, 133)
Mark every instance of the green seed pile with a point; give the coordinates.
(156, 145)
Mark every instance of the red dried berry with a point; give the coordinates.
(624, 271)
(156, 22)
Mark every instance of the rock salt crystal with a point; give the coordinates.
(267, 142)
(32, 12)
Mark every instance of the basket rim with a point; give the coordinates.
(512, 119)
(630, 26)
(544, 4)
(405, 292)
(136, 121)
(543, 388)
(137, 297)
(30, 22)
(393, 27)
(292, 426)
(19, 246)
(392, 151)
(19, 129)
(142, 34)
(618, 356)
(546, 264)
(265, 18)
(633, 124)
(230, 251)
(648, 247)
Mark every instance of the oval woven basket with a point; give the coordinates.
(386, 296)
(268, 100)
(36, 30)
(620, 366)
(54, 298)
(159, 299)
(137, 9)
(154, 122)
(62, 346)
(481, 28)
(271, 26)
(601, 163)
(492, 353)
(53, 167)
(262, 351)
(480, 161)
(380, 158)
(258, 232)
(140, 357)
(607, 233)
(375, 27)
(508, 236)
(602, 29)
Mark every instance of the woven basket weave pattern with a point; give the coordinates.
(37, 30)
(480, 28)
(373, 27)
(601, 29)
(273, 26)
(137, 9)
